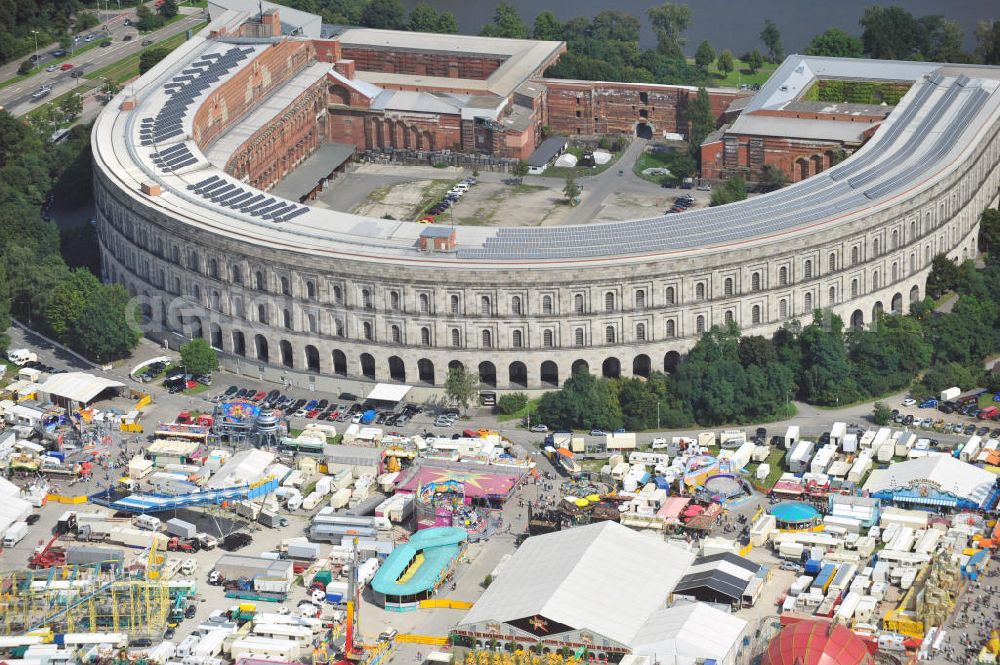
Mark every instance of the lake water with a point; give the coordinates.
(733, 24)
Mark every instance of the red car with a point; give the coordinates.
(66, 66)
(259, 396)
(313, 413)
(333, 415)
(191, 384)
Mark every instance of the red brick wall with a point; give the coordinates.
(422, 63)
(327, 50)
(782, 153)
(591, 107)
(236, 97)
(810, 115)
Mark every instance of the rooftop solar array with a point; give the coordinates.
(251, 202)
(173, 157)
(912, 144)
(183, 89)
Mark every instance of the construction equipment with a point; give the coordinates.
(47, 556)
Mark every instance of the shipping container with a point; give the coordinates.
(181, 529)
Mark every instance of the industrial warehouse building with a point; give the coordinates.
(546, 596)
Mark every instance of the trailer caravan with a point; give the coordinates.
(799, 456)
(971, 448)
(837, 434)
(791, 436)
(862, 465)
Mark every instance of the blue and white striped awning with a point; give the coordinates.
(925, 500)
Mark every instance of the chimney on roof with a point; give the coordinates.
(345, 68)
(150, 189)
(128, 104)
(271, 22)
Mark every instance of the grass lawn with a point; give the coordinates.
(652, 160)
(581, 171)
(529, 409)
(198, 389)
(987, 400)
(740, 75)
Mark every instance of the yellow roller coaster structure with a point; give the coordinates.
(82, 599)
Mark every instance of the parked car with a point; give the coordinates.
(205, 379)
(127, 38)
(66, 66)
(929, 403)
(539, 428)
(596, 432)
(147, 42)
(76, 73)
(105, 43)
(909, 401)
(51, 68)
(969, 430)
(982, 431)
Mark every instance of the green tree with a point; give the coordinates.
(84, 21)
(825, 376)
(198, 357)
(585, 401)
(4, 308)
(71, 106)
(943, 276)
(111, 87)
(699, 115)
(506, 23)
(705, 55)
(25, 67)
(755, 60)
(989, 233)
(68, 301)
(147, 20)
(150, 57)
(384, 14)
(104, 331)
(890, 33)
(519, 170)
(683, 165)
(835, 43)
(944, 40)
(423, 18)
(669, 22)
(461, 386)
(572, 189)
(447, 24)
(510, 403)
(168, 9)
(726, 63)
(547, 27)
(770, 36)
(612, 25)
(988, 42)
(773, 178)
(734, 189)
(882, 415)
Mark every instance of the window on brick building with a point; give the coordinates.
(425, 336)
(515, 305)
(578, 336)
(547, 339)
(546, 305)
(425, 302)
(609, 334)
(517, 339)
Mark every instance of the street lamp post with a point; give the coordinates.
(34, 33)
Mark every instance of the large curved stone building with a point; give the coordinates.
(179, 158)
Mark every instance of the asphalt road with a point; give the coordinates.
(16, 98)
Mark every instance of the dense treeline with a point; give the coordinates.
(36, 283)
(729, 378)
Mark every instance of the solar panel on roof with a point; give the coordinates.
(290, 215)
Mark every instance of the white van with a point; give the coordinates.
(21, 356)
(189, 566)
(147, 522)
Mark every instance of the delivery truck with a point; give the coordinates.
(14, 534)
(181, 529)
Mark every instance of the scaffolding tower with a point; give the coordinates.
(78, 598)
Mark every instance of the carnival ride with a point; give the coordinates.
(155, 502)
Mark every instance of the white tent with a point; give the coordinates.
(689, 634)
(72, 389)
(962, 479)
(242, 468)
(566, 160)
(12, 507)
(388, 392)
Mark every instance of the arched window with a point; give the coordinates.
(854, 288)
(895, 238)
(515, 305)
(670, 295)
(755, 314)
(699, 291)
(671, 330)
(728, 289)
(456, 337)
(367, 331)
(831, 262)
(913, 231)
(807, 301)
(640, 332)
(193, 261)
(913, 261)
(700, 324)
(783, 309)
(287, 290)
(546, 304)
(755, 281)
(312, 323)
(258, 279)
(196, 292)
(237, 275)
(454, 304)
(394, 300)
(783, 276)
(286, 318)
(213, 268)
(310, 290)
(485, 306)
(729, 316)
(397, 335)
(425, 302)
(833, 295)
(640, 299)
(609, 334)
(578, 336)
(338, 327)
(425, 336)
(609, 301)
(875, 280)
(855, 255)
(547, 339)
(487, 339)
(262, 313)
(517, 339)
(578, 303)
(875, 246)
(807, 269)
(366, 299)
